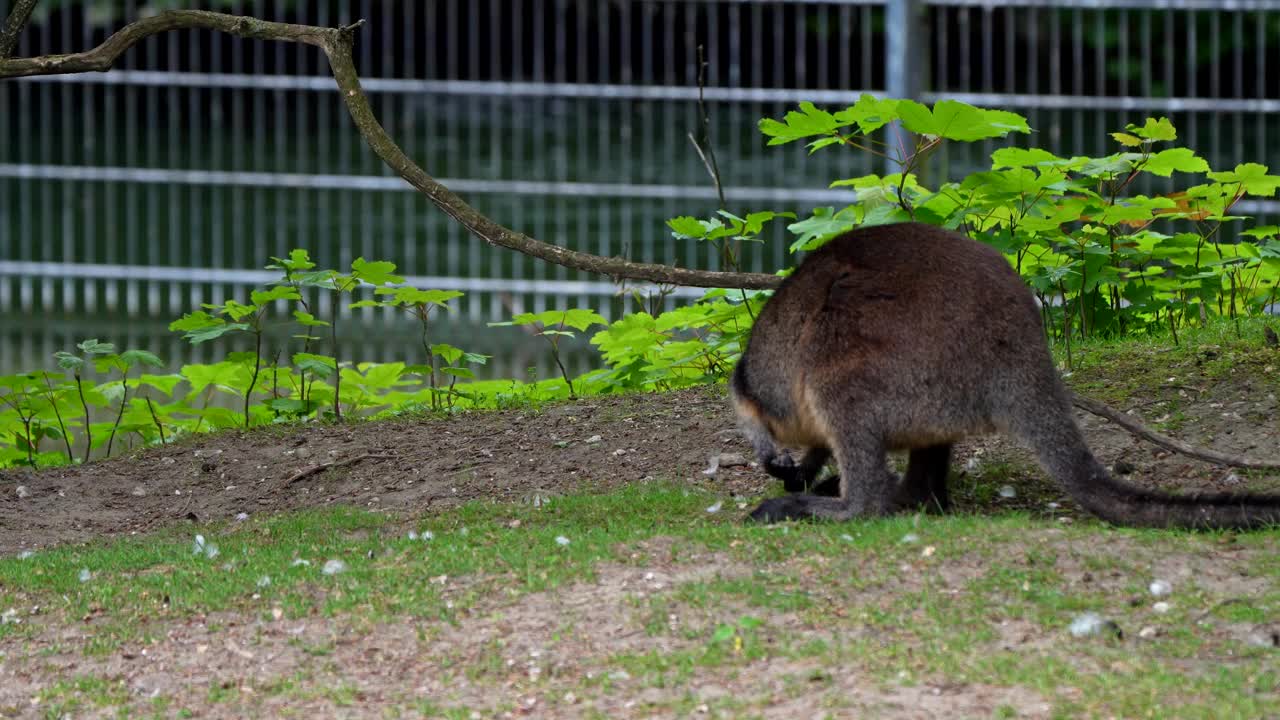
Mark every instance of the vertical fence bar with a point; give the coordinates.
(902, 63)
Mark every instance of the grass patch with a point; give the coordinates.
(1142, 368)
(892, 602)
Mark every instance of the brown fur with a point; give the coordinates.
(911, 337)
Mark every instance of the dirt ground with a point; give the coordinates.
(593, 444)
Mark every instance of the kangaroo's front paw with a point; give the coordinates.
(781, 466)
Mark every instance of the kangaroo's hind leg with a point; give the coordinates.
(925, 482)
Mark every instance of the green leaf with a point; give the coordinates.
(1126, 139)
(280, 292)
(955, 120)
(1263, 231)
(67, 361)
(197, 320)
(824, 224)
(1252, 177)
(1165, 162)
(290, 406)
(163, 383)
(377, 272)
(799, 124)
(1013, 157)
(1154, 130)
(687, 227)
(93, 347)
(140, 357)
(1118, 164)
(575, 318)
(235, 310)
(210, 333)
(298, 260)
(414, 296)
(306, 318)
(820, 143)
(319, 365)
(449, 353)
(869, 113)
(460, 372)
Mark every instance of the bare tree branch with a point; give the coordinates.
(18, 18)
(101, 58)
(337, 44)
(493, 233)
(1166, 442)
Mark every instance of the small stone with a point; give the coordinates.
(1160, 588)
(23, 492)
(333, 567)
(910, 538)
(1264, 637)
(85, 576)
(242, 516)
(715, 508)
(562, 540)
(731, 460)
(593, 439)
(264, 581)
(1161, 607)
(1148, 632)
(138, 491)
(1008, 492)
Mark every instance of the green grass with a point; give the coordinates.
(1121, 370)
(849, 599)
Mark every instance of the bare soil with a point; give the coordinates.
(596, 444)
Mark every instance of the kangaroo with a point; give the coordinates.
(910, 337)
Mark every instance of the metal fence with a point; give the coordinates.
(129, 197)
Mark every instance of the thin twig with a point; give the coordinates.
(313, 469)
(1218, 606)
(1167, 442)
(707, 154)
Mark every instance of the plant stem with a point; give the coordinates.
(26, 424)
(88, 433)
(53, 402)
(124, 399)
(423, 315)
(257, 367)
(155, 418)
(555, 353)
(337, 367)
